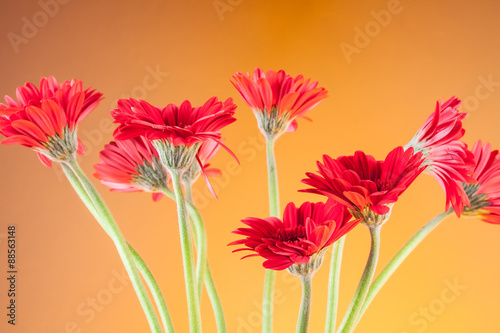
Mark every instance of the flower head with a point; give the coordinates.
(446, 157)
(278, 99)
(484, 195)
(176, 131)
(301, 236)
(367, 187)
(131, 166)
(45, 118)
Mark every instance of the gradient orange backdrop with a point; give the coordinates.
(385, 63)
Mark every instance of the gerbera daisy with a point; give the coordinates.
(278, 99)
(367, 187)
(484, 195)
(446, 157)
(130, 166)
(301, 237)
(176, 131)
(46, 118)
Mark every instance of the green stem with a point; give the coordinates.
(197, 221)
(72, 169)
(200, 235)
(139, 262)
(333, 285)
(349, 321)
(399, 258)
(187, 255)
(305, 304)
(274, 209)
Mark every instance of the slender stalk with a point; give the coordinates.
(333, 286)
(187, 255)
(405, 251)
(305, 304)
(200, 235)
(349, 321)
(197, 221)
(139, 262)
(274, 209)
(109, 225)
(155, 290)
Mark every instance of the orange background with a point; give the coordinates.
(379, 96)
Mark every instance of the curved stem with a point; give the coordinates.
(274, 209)
(358, 299)
(200, 235)
(71, 168)
(197, 221)
(399, 258)
(187, 255)
(333, 285)
(305, 305)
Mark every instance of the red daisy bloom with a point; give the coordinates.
(367, 187)
(45, 118)
(302, 234)
(132, 166)
(277, 99)
(447, 158)
(484, 195)
(180, 125)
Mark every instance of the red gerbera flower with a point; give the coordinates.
(180, 125)
(132, 166)
(45, 119)
(484, 195)
(302, 234)
(277, 99)
(367, 187)
(447, 158)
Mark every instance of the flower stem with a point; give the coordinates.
(405, 251)
(333, 285)
(305, 304)
(201, 242)
(349, 321)
(73, 170)
(187, 255)
(274, 209)
(200, 235)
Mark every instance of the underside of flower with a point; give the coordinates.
(309, 268)
(176, 158)
(271, 124)
(151, 177)
(369, 218)
(60, 149)
(477, 201)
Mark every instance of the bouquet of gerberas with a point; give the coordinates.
(165, 150)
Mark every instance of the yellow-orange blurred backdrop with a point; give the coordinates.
(384, 62)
